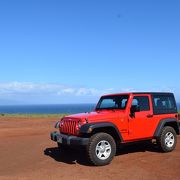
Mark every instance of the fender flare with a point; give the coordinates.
(162, 123)
(85, 128)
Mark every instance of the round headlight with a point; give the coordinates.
(61, 123)
(79, 124)
(57, 125)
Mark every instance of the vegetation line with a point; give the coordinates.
(38, 115)
(33, 115)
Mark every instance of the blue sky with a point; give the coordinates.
(73, 51)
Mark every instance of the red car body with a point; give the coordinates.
(119, 119)
(140, 127)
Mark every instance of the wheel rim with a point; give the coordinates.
(169, 139)
(103, 150)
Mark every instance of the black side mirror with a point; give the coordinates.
(134, 108)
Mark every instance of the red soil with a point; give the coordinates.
(26, 152)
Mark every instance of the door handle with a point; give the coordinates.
(149, 115)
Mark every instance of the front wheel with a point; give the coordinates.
(101, 149)
(62, 147)
(167, 139)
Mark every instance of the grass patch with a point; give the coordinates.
(38, 115)
(33, 115)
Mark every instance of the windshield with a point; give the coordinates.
(112, 102)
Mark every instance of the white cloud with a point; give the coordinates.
(48, 88)
(128, 89)
(59, 89)
(88, 91)
(66, 91)
(28, 87)
(109, 89)
(55, 93)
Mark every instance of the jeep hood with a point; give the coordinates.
(97, 115)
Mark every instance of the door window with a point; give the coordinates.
(142, 102)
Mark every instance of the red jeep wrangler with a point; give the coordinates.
(121, 118)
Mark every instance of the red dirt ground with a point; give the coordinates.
(26, 152)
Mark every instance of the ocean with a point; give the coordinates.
(49, 109)
(46, 109)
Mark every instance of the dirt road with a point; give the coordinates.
(26, 152)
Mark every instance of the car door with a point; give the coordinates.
(140, 126)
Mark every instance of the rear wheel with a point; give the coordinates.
(101, 149)
(167, 139)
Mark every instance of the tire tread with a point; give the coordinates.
(91, 156)
(160, 139)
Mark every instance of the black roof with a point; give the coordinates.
(154, 93)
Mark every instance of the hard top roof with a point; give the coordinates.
(152, 93)
(163, 93)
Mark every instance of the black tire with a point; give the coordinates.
(99, 141)
(163, 141)
(62, 147)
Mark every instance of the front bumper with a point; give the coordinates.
(68, 140)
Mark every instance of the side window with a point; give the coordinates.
(163, 104)
(142, 102)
